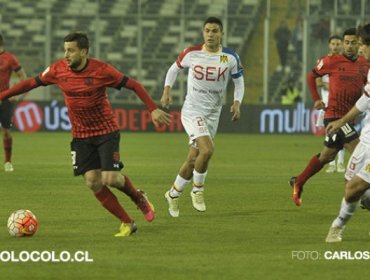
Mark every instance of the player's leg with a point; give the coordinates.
(206, 148)
(315, 164)
(358, 180)
(182, 179)
(6, 112)
(340, 161)
(108, 151)
(86, 162)
(355, 188)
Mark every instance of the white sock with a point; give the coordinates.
(332, 163)
(178, 186)
(346, 211)
(198, 181)
(341, 156)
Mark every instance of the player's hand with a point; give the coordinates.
(235, 111)
(166, 99)
(333, 127)
(160, 117)
(319, 105)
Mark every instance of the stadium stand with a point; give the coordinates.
(115, 24)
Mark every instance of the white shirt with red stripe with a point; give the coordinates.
(208, 77)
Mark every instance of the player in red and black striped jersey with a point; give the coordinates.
(8, 64)
(348, 74)
(95, 144)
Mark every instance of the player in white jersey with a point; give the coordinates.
(335, 46)
(210, 68)
(358, 169)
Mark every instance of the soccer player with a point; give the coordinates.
(8, 64)
(335, 47)
(210, 67)
(95, 144)
(358, 173)
(347, 73)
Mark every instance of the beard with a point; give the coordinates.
(75, 64)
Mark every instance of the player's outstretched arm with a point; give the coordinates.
(19, 88)
(160, 117)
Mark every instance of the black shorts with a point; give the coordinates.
(347, 133)
(6, 113)
(98, 152)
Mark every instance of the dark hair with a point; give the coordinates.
(350, 31)
(78, 37)
(1, 40)
(214, 20)
(335, 37)
(364, 33)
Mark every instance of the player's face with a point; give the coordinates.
(335, 46)
(212, 36)
(365, 51)
(74, 56)
(350, 45)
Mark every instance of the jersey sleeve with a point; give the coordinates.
(323, 66)
(48, 77)
(16, 66)
(112, 77)
(237, 69)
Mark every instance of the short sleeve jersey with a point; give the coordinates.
(347, 79)
(208, 77)
(8, 64)
(85, 95)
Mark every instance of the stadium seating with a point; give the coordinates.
(113, 28)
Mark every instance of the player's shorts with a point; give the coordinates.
(197, 126)
(346, 134)
(359, 163)
(6, 113)
(98, 152)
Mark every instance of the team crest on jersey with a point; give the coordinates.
(367, 168)
(224, 59)
(88, 81)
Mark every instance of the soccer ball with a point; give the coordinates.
(22, 223)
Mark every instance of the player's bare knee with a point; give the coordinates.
(94, 185)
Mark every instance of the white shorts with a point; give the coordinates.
(197, 126)
(359, 163)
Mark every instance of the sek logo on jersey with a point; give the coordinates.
(209, 73)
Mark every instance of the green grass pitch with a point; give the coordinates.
(250, 230)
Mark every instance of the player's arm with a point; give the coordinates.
(360, 107)
(311, 83)
(159, 117)
(20, 88)
(21, 74)
(166, 99)
(238, 97)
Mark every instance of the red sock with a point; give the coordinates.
(131, 191)
(8, 143)
(110, 202)
(314, 166)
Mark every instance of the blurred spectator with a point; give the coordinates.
(290, 94)
(282, 37)
(297, 38)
